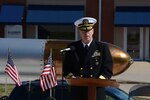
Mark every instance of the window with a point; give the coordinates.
(133, 42)
(53, 21)
(137, 42)
(61, 32)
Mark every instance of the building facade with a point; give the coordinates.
(124, 23)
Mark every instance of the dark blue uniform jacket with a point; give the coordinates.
(98, 60)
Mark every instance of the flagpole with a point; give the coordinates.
(6, 76)
(29, 89)
(62, 83)
(5, 84)
(50, 90)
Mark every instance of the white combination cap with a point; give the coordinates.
(85, 23)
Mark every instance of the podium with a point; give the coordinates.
(91, 83)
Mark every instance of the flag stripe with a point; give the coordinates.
(11, 70)
(48, 77)
(12, 73)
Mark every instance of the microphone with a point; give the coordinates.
(72, 48)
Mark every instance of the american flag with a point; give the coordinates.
(48, 76)
(12, 71)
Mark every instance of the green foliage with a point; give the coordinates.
(5, 89)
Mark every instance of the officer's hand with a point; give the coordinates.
(102, 77)
(70, 75)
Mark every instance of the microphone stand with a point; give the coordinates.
(63, 58)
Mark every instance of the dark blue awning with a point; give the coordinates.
(132, 16)
(11, 14)
(54, 14)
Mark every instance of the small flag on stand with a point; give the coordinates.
(48, 76)
(12, 71)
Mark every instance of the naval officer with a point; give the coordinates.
(88, 59)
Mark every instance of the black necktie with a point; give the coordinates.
(86, 48)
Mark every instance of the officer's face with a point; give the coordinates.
(86, 36)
